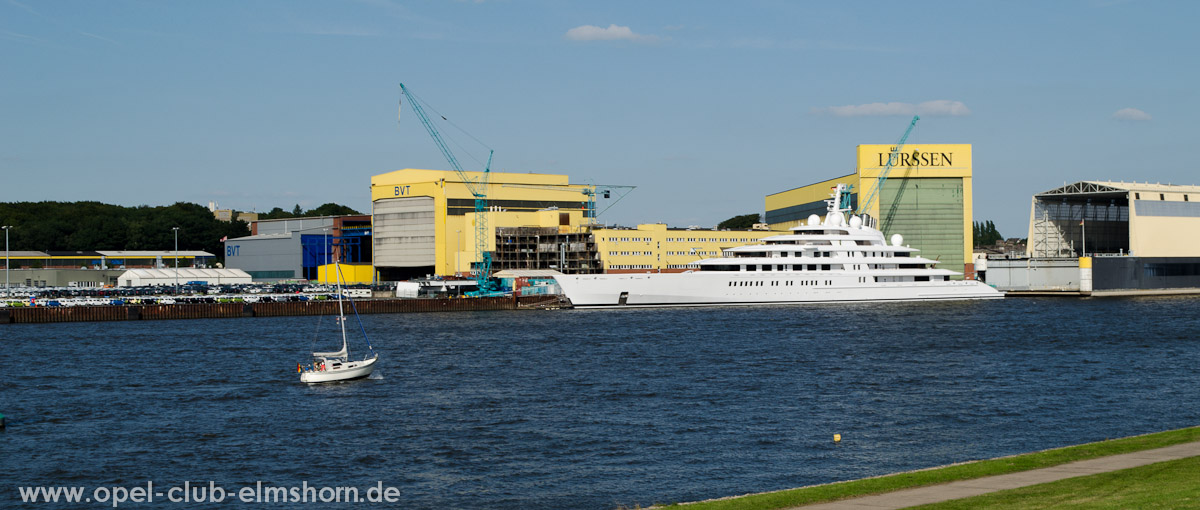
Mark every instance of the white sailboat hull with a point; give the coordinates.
(340, 371)
(757, 288)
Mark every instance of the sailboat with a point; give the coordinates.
(337, 366)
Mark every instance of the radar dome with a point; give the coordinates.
(855, 222)
(897, 239)
(814, 219)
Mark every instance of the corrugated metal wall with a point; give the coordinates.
(403, 232)
(270, 258)
(929, 214)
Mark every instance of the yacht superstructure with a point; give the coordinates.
(835, 259)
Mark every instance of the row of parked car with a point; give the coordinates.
(95, 301)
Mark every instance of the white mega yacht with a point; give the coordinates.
(834, 260)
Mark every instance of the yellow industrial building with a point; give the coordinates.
(655, 247)
(424, 220)
(424, 223)
(1115, 219)
(1108, 238)
(926, 197)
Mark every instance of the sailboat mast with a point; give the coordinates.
(341, 314)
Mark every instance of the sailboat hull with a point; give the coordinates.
(340, 371)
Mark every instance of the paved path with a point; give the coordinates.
(967, 488)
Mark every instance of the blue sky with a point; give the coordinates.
(705, 106)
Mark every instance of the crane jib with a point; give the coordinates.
(477, 187)
(893, 156)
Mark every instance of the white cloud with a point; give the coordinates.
(1131, 114)
(935, 108)
(612, 33)
(943, 108)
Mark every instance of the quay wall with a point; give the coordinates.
(44, 314)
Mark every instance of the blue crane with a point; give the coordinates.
(892, 155)
(478, 188)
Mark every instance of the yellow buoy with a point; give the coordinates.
(837, 438)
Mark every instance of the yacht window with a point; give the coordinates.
(825, 267)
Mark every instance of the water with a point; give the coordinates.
(591, 409)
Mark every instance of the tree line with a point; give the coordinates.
(88, 226)
(329, 209)
(743, 222)
(985, 233)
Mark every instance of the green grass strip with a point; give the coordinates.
(1170, 484)
(955, 472)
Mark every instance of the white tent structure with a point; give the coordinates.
(144, 277)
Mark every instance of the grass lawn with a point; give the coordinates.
(965, 471)
(1171, 484)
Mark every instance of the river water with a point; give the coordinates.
(589, 409)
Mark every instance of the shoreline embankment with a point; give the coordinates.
(104, 313)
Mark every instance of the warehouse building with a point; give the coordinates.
(90, 269)
(659, 248)
(1103, 236)
(926, 197)
(425, 224)
(425, 220)
(182, 276)
(298, 248)
(646, 248)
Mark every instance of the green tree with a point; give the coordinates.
(743, 222)
(985, 233)
(86, 226)
(331, 209)
(275, 214)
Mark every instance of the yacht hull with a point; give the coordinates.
(733, 288)
(349, 371)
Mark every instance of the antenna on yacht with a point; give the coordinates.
(838, 204)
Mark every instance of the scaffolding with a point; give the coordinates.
(557, 248)
(1078, 218)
